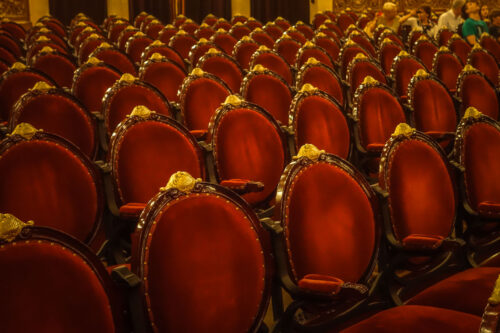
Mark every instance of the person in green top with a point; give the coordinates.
(473, 26)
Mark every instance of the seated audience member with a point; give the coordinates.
(389, 18)
(423, 21)
(495, 24)
(484, 13)
(473, 26)
(453, 17)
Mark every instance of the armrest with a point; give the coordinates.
(375, 147)
(418, 242)
(441, 136)
(460, 168)
(98, 115)
(242, 186)
(271, 225)
(122, 275)
(108, 187)
(332, 286)
(383, 194)
(131, 210)
(199, 134)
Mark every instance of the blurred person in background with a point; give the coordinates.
(473, 26)
(453, 17)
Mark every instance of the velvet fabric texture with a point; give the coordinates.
(387, 54)
(7, 56)
(322, 123)
(324, 80)
(87, 48)
(297, 35)
(225, 41)
(135, 47)
(344, 20)
(11, 45)
(275, 63)
(317, 53)
(124, 100)
(467, 291)
(433, 107)
(38, 46)
(330, 46)
(199, 51)
(461, 48)
(421, 193)
(347, 55)
(147, 154)
(447, 69)
(271, 94)
(117, 59)
(444, 36)
(490, 44)
(204, 259)
(58, 114)
(257, 156)
(203, 97)
(3, 67)
(404, 71)
(379, 114)
(55, 286)
(244, 53)
(92, 84)
(123, 38)
(239, 32)
(225, 69)
(13, 86)
(58, 67)
(262, 38)
(182, 44)
(167, 52)
(166, 76)
(364, 43)
(417, 319)
(273, 30)
(167, 33)
(482, 165)
(486, 64)
(322, 283)
(43, 182)
(425, 51)
(477, 92)
(361, 70)
(330, 226)
(288, 48)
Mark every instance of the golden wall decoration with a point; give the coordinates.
(17, 10)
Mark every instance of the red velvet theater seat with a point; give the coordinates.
(199, 49)
(114, 57)
(360, 67)
(433, 110)
(46, 33)
(387, 52)
(56, 65)
(222, 23)
(210, 19)
(15, 82)
(253, 23)
(182, 43)
(489, 43)
(189, 26)
(258, 156)
(331, 30)
(166, 33)
(57, 112)
(329, 44)
(268, 90)
(322, 77)
(153, 29)
(272, 61)
(164, 75)
(146, 149)
(443, 36)
(224, 40)
(388, 33)
(447, 66)
(15, 29)
(485, 62)
(125, 95)
(475, 90)
(309, 50)
(115, 29)
(306, 30)
(243, 51)
(273, 30)
(139, 19)
(460, 47)
(136, 44)
(200, 95)
(318, 19)
(328, 244)
(262, 37)
(223, 261)
(403, 68)
(83, 36)
(362, 40)
(90, 44)
(124, 36)
(47, 179)
(413, 36)
(91, 81)
(224, 67)
(347, 53)
(204, 31)
(58, 280)
(238, 18)
(344, 20)
(287, 47)
(424, 49)
(40, 44)
(4, 67)
(6, 56)
(318, 119)
(8, 42)
(164, 50)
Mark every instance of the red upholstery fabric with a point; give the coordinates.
(297, 35)
(379, 114)
(421, 192)
(115, 31)
(147, 155)
(387, 54)
(271, 94)
(239, 32)
(288, 49)
(317, 53)
(306, 30)
(492, 46)
(461, 48)
(477, 92)
(60, 115)
(167, 52)
(127, 98)
(275, 63)
(225, 41)
(7, 56)
(257, 156)
(13, 86)
(467, 291)
(444, 37)
(167, 33)
(203, 97)
(224, 69)
(482, 164)
(92, 84)
(405, 69)
(263, 38)
(322, 123)
(425, 52)
(3, 67)
(14, 29)
(57, 288)
(321, 283)
(117, 59)
(182, 44)
(214, 262)
(487, 64)
(87, 48)
(330, 46)
(418, 242)
(131, 210)
(222, 24)
(37, 47)
(347, 55)
(364, 43)
(135, 47)
(244, 53)
(199, 51)
(433, 107)
(363, 69)
(9, 43)
(417, 319)
(345, 20)
(167, 77)
(189, 27)
(324, 80)
(41, 181)
(153, 30)
(330, 227)
(447, 69)
(273, 30)
(58, 67)
(123, 38)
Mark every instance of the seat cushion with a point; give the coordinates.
(414, 318)
(467, 291)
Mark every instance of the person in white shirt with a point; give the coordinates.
(452, 18)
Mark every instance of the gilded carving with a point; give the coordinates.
(11, 227)
(15, 9)
(181, 181)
